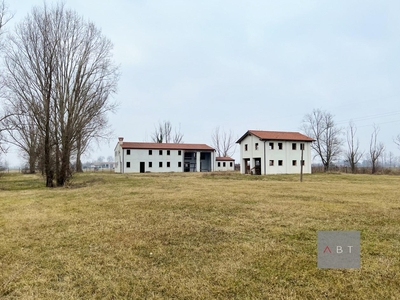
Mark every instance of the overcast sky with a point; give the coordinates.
(247, 65)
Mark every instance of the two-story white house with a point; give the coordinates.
(135, 157)
(274, 152)
(224, 164)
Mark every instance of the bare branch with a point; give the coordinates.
(396, 140)
(353, 154)
(163, 133)
(320, 126)
(375, 149)
(223, 142)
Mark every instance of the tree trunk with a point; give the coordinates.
(47, 147)
(64, 171)
(373, 167)
(78, 165)
(32, 163)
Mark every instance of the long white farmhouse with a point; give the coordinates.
(274, 152)
(135, 157)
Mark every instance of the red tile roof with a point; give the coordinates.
(227, 158)
(165, 146)
(277, 135)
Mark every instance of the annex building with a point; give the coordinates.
(274, 152)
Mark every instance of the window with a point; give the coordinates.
(280, 162)
(168, 152)
(160, 164)
(245, 147)
(150, 152)
(294, 146)
(256, 146)
(159, 152)
(301, 146)
(179, 164)
(271, 162)
(128, 152)
(202, 155)
(219, 164)
(190, 155)
(294, 162)
(280, 146)
(168, 164)
(231, 164)
(302, 162)
(150, 164)
(224, 164)
(271, 146)
(179, 152)
(128, 164)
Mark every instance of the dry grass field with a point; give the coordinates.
(195, 236)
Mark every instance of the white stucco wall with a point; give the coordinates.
(131, 162)
(286, 155)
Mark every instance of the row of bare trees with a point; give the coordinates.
(58, 82)
(163, 133)
(328, 145)
(223, 142)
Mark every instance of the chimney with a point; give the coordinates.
(120, 140)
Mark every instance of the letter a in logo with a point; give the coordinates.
(327, 247)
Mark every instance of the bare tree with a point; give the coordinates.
(96, 131)
(23, 133)
(60, 68)
(223, 142)
(375, 149)
(5, 17)
(177, 138)
(353, 154)
(163, 133)
(320, 126)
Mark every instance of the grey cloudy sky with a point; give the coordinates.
(248, 64)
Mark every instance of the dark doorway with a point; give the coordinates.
(257, 167)
(246, 163)
(186, 167)
(142, 167)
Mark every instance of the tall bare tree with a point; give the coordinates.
(353, 154)
(375, 149)
(223, 142)
(60, 68)
(5, 17)
(320, 126)
(163, 133)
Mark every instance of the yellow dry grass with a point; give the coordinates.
(195, 236)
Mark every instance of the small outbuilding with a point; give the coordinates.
(224, 164)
